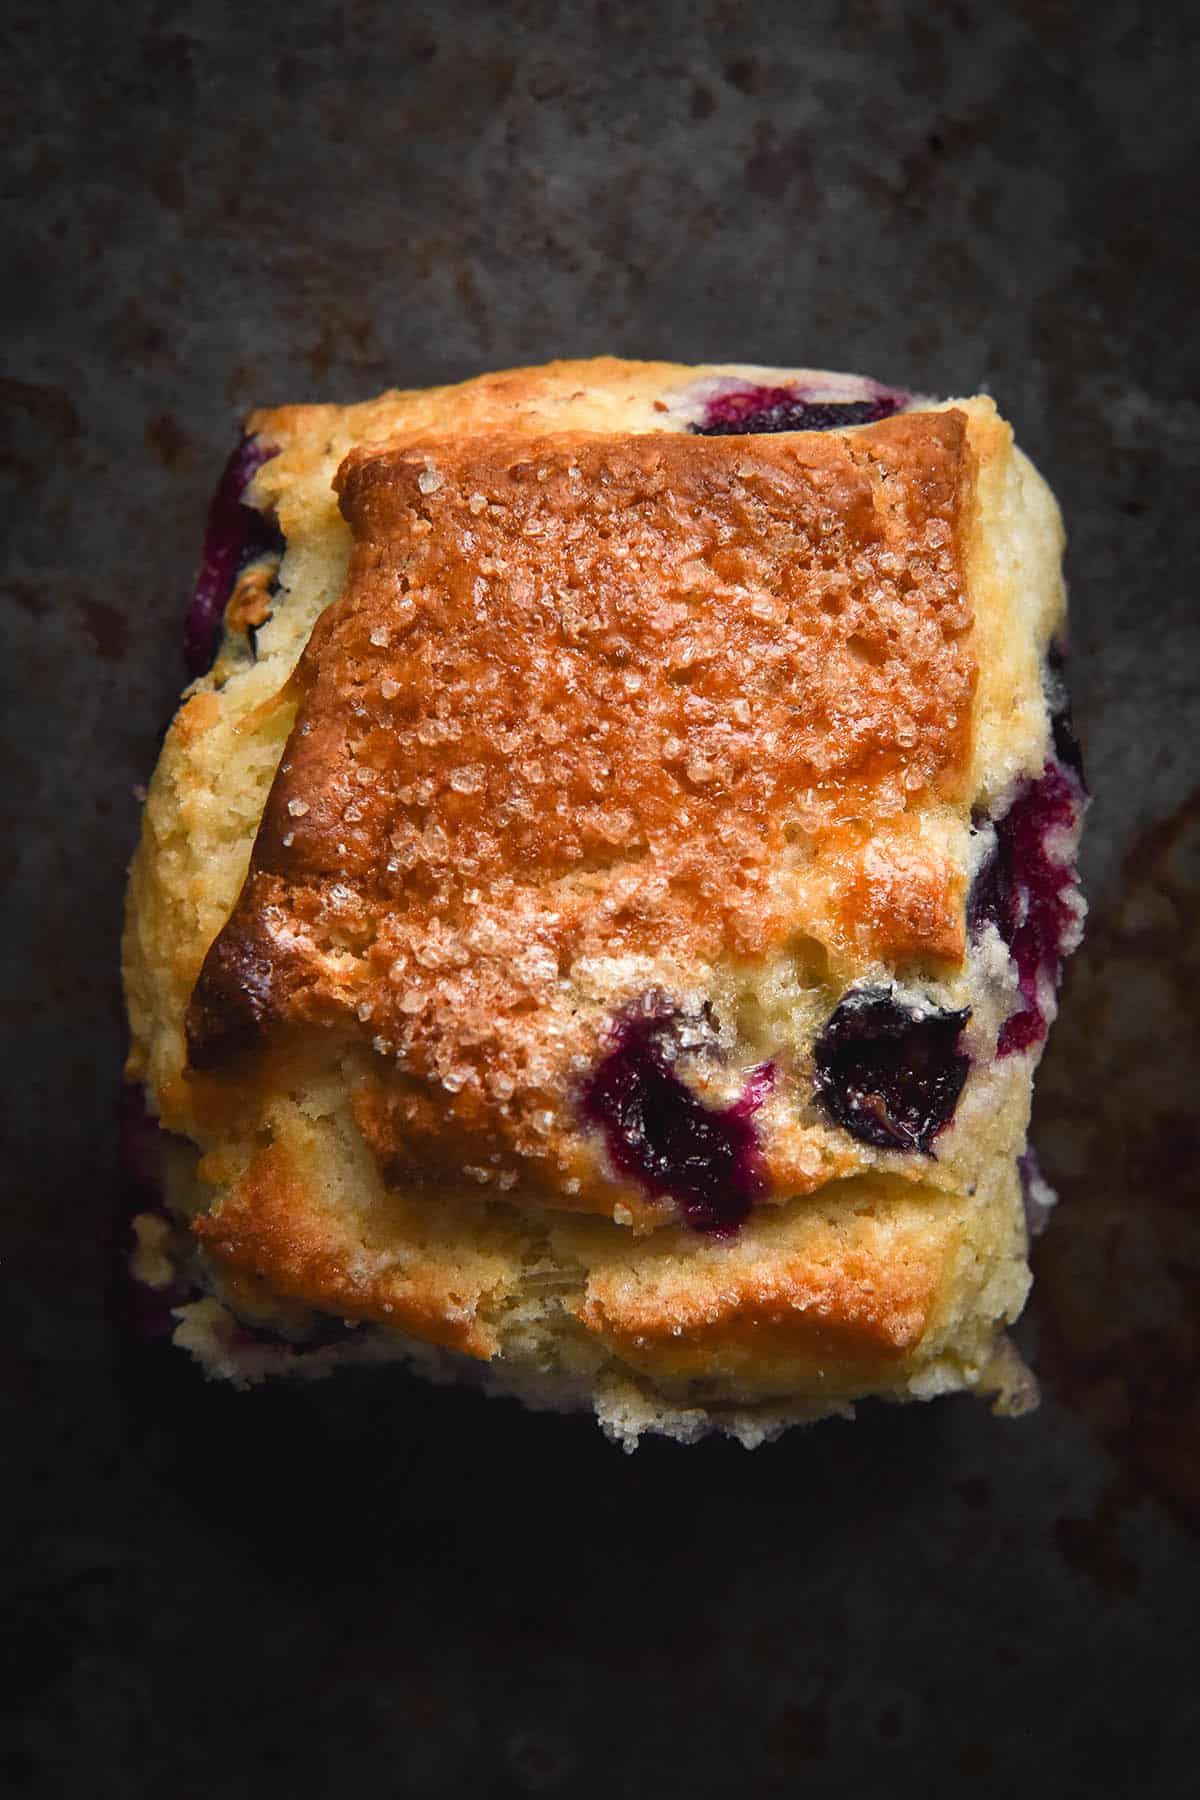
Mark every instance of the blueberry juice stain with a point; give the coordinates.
(659, 1132)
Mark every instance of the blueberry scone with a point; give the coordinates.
(597, 918)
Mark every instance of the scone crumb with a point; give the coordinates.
(150, 1260)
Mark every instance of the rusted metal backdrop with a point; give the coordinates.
(374, 1584)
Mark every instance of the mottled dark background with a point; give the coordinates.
(373, 1584)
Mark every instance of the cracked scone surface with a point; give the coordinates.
(508, 873)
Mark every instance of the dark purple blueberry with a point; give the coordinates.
(1027, 894)
(661, 1133)
(235, 536)
(759, 409)
(887, 1074)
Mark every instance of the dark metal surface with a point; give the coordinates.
(374, 1584)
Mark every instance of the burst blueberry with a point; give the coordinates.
(763, 409)
(888, 1073)
(657, 1130)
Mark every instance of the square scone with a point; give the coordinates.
(597, 921)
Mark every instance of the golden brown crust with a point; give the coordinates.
(272, 1238)
(904, 901)
(862, 1303)
(836, 1295)
(577, 700)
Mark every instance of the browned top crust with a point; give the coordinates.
(656, 700)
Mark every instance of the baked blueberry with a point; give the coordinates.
(657, 1130)
(889, 1073)
(762, 409)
